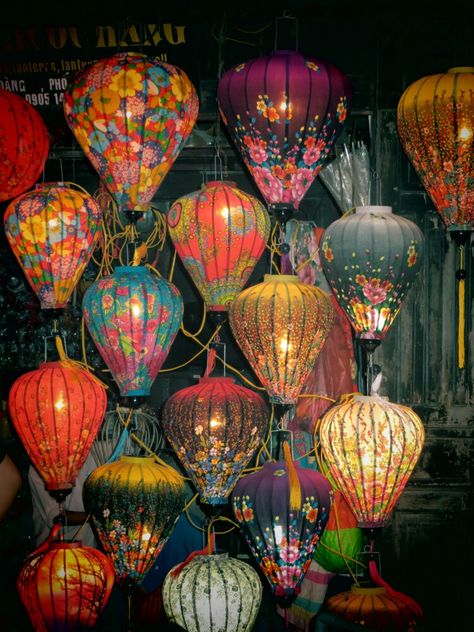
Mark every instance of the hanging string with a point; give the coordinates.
(461, 276)
(65, 361)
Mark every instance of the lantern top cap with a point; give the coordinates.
(131, 269)
(138, 460)
(379, 210)
(458, 69)
(219, 183)
(65, 544)
(281, 278)
(374, 590)
(210, 378)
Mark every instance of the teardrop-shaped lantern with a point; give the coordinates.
(131, 114)
(213, 593)
(371, 446)
(133, 317)
(65, 586)
(371, 259)
(281, 326)
(57, 411)
(134, 503)
(284, 112)
(24, 145)
(215, 428)
(219, 233)
(53, 231)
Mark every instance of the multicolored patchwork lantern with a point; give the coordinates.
(24, 145)
(281, 326)
(133, 317)
(371, 446)
(53, 231)
(219, 234)
(131, 114)
(215, 428)
(134, 503)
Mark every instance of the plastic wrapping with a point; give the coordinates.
(348, 177)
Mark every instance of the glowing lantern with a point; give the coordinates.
(57, 411)
(213, 593)
(281, 326)
(371, 446)
(284, 113)
(133, 317)
(219, 233)
(53, 231)
(131, 114)
(134, 503)
(215, 428)
(371, 258)
(24, 145)
(66, 586)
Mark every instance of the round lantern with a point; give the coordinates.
(53, 231)
(371, 259)
(24, 145)
(215, 428)
(133, 317)
(57, 411)
(66, 586)
(281, 326)
(134, 503)
(131, 114)
(213, 593)
(371, 446)
(284, 112)
(219, 234)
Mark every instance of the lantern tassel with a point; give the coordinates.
(74, 363)
(406, 599)
(193, 554)
(461, 326)
(293, 480)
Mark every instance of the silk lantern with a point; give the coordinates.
(53, 231)
(131, 114)
(133, 317)
(219, 233)
(281, 326)
(215, 428)
(24, 145)
(284, 113)
(371, 446)
(134, 503)
(65, 586)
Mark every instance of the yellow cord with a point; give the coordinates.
(461, 310)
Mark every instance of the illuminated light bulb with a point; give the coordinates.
(465, 133)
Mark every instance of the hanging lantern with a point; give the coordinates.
(371, 258)
(219, 233)
(281, 326)
(213, 593)
(24, 145)
(53, 231)
(65, 587)
(284, 112)
(371, 446)
(133, 317)
(134, 503)
(131, 114)
(215, 428)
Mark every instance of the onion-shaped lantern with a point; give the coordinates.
(284, 112)
(134, 503)
(219, 234)
(53, 231)
(215, 428)
(281, 326)
(133, 317)
(371, 259)
(213, 593)
(24, 145)
(65, 586)
(131, 114)
(371, 446)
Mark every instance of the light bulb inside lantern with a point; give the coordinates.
(146, 536)
(225, 213)
(278, 531)
(60, 404)
(137, 310)
(215, 423)
(465, 133)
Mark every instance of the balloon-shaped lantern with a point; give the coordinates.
(371, 446)
(133, 317)
(131, 114)
(53, 231)
(219, 234)
(284, 112)
(65, 586)
(215, 428)
(134, 503)
(24, 145)
(281, 326)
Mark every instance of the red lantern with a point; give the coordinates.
(24, 145)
